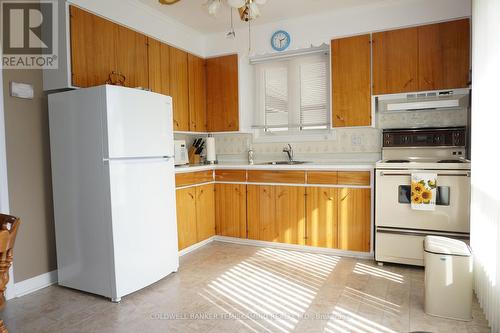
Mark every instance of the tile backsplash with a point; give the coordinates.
(343, 144)
(348, 144)
(434, 118)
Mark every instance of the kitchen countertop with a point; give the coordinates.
(362, 166)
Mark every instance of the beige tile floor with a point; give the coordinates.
(235, 288)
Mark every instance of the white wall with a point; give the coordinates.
(485, 213)
(142, 18)
(322, 28)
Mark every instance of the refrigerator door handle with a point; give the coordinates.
(165, 158)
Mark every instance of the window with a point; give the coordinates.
(293, 94)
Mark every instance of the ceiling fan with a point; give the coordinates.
(248, 9)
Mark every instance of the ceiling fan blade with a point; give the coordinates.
(168, 2)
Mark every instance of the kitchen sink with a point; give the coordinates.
(285, 162)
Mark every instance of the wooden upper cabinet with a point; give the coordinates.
(395, 61)
(351, 81)
(222, 94)
(197, 94)
(354, 221)
(92, 48)
(179, 89)
(159, 66)
(131, 52)
(443, 53)
(100, 47)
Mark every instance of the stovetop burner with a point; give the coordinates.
(451, 161)
(397, 161)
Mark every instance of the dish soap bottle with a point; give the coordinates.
(251, 156)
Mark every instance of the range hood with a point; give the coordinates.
(423, 101)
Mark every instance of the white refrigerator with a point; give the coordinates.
(113, 188)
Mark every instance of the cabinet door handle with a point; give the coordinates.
(408, 82)
(327, 196)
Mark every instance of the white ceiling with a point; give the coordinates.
(193, 13)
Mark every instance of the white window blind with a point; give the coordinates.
(276, 98)
(293, 95)
(314, 102)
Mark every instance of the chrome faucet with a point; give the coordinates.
(289, 151)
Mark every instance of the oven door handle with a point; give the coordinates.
(410, 232)
(385, 173)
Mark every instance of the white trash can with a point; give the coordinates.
(448, 278)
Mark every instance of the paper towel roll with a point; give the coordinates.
(210, 147)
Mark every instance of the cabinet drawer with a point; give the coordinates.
(275, 176)
(231, 175)
(190, 178)
(322, 177)
(361, 178)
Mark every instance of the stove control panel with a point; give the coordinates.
(425, 137)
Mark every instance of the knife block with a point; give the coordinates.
(193, 157)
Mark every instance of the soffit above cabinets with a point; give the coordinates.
(194, 14)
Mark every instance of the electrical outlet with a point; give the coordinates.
(356, 140)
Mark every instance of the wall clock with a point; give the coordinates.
(280, 40)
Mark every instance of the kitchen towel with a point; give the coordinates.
(423, 191)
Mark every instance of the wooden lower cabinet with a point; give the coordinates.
(354, 219)
(339, 218)
(231, 210)
(322, 217)
(186, 216)
(195, 214)
(261, 213)
(329, 217)
(205, 212)
(276, 213)
(290, 214)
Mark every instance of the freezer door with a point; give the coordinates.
(138, 123)
(143, 222)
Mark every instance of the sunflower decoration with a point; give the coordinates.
(417, 199)
(417, 187)
(422, 191)
(426, 196)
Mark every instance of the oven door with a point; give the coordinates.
(393, 208)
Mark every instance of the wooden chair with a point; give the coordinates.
(8, 231)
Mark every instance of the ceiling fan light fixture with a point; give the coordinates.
(253, 10)
(168, 2)
(213, 7)
(236, 3)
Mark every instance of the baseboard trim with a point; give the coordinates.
(35, 283)
(196, 246)
(303, 248)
